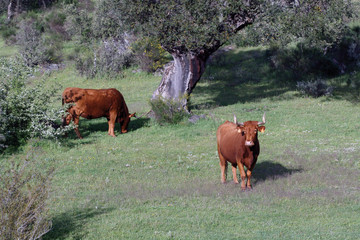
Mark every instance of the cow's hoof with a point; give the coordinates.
(249, 188)
(243, 189)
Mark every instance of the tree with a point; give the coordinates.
(15, 7)
(190, 31)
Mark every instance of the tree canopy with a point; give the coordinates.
(189, 26)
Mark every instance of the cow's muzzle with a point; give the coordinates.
(249, 143)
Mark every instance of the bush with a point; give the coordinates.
(168, 111)
(149, 54)
(78, 24)
(315, 89)
(24, 110)
(23, 195)
(109, 59)
(34, 46)
(30, 43)
(108, 20)
(302, 62)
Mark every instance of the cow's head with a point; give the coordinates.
(125, 122)
(250, 130)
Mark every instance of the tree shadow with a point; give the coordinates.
(270, 170)
(242, 76)
(72, 223)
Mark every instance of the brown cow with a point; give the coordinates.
(238, 144)
(96, 103)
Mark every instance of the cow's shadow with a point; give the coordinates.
(270, 170)
(87, 127)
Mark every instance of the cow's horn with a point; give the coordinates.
(263, 120)
(237, 123)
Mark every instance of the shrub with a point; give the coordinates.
(112, 57)
(168, 111)
(24, 110)
(78, 24)
(302, 62)
(109, 59)
(34, 46)
(30, 43)
(315, 89)
(23, 194)
(149, 54)
(108, 20)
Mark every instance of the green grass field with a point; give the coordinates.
(163, 182)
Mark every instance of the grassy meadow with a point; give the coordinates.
(163, 182)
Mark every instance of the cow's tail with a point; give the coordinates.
(145, 114)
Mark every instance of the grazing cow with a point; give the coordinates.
(96, 103)
(238, 144)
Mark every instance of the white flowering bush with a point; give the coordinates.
(24, 108)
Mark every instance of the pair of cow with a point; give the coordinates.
(237, 143)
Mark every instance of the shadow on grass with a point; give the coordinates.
(71, 223)
(269, 170)
(87, 127)
(244, 76)
(247, 76)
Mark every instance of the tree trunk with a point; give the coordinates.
(11, 9)
(180, 77)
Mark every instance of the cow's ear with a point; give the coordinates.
(262, 129)
(240, 129)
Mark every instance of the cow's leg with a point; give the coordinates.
(242, 175)
(248, 174)
(233, 168)
(112, 124)
(108, 119)
(223, 166)
(76, 122)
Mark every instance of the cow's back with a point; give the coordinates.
(94, 103)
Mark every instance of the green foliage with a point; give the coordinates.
(7, 29)
(167, 111)
(109, 59)
(24, 108)
(107, 20)
(302, 62)
(315, 88)
(78, 24)
(187, 25)
(149, 54)
(314, 24)
(23, 193)
(34, 46)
